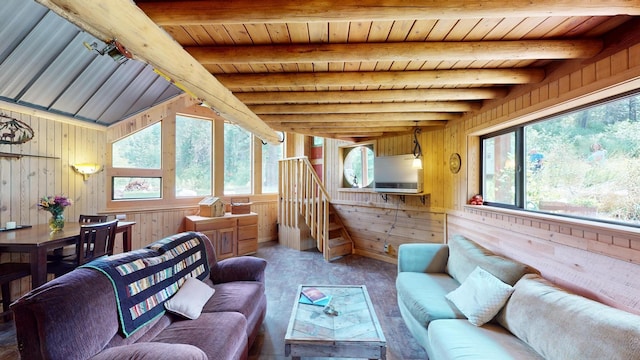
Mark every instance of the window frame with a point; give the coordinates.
(520, 158)
(167, 170)
(343, 151)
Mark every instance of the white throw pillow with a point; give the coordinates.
(480, 296)
(190, 298)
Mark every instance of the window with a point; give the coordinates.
(237, 160)
(271, 154)
(141, 150)
(584, 163)
(193, 157)
(129, 188)
(357, 168)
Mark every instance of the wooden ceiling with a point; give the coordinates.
(357, 69)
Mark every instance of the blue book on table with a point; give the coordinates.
(323, 302)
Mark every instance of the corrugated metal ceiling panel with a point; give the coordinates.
(44, 64)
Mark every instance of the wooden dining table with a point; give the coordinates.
(38, 239)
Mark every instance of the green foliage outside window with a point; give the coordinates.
(193, 156)
(271, 154)
(584, 163)
(237, 160)
(140, 150)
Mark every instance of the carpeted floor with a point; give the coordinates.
(287, 269)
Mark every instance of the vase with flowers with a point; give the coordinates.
(55, 205)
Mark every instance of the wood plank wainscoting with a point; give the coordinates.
(371, 227)
(596, 261)
(152, 225)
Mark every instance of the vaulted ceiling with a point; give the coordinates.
(354, 69)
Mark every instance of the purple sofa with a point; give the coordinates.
(76, 316)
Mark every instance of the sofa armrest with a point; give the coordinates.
(425, 258)
(243, 268)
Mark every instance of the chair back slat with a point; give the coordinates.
(96, 240)
(84, 219)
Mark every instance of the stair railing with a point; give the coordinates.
(302, 193)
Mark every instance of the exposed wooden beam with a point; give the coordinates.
(364, 125)
(440, 106)
(347, 129)
(329, 133)
(397, 116)
(405, 51)
(279, 11)
(236, 82)
(124, 21)
(324, 97)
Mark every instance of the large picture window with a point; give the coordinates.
(584, 163)
(271, 154)
(141, 150)
(237, 160)
(193, 156)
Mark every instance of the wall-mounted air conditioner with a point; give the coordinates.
(396, 174)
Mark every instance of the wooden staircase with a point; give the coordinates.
(305, 212)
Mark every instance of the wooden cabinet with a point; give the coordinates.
(231, 234)
(247, 234)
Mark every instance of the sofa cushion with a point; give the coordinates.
(560, 325)
(151, 351)
(238, 296)
(424, 296)
(459, 339)
(465, 255)
(190, 299)
(51, 314)
(480, 296)
(144, 279)
(221, 335)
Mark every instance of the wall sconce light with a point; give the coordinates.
(417, 150)
(86, 169)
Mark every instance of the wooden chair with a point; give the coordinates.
(96, 240)
(9, 272)
(83, 219)
(59, 254)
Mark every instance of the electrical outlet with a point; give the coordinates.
(386, 248)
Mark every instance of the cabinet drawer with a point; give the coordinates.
(214, 224)
(247, 232)
(247, 246)
(247, 220)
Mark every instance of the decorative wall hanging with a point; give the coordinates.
(14, 131)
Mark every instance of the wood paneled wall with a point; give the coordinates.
(56, 146)
(23, 181)
(594, 259)
(599, 263)
(372, 219)
(155, 224)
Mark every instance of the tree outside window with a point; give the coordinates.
(271, 154)
(193, 156)
(584, 163)
(237, 160)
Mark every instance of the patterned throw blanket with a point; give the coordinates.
(144, 279)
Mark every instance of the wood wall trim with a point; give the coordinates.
(9, 106)
(595, 264)
(618, 242)
(564, 89)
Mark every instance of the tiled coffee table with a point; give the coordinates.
(354, 332)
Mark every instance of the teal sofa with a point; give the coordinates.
(538, 321)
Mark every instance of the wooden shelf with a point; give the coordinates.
(18, 156)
